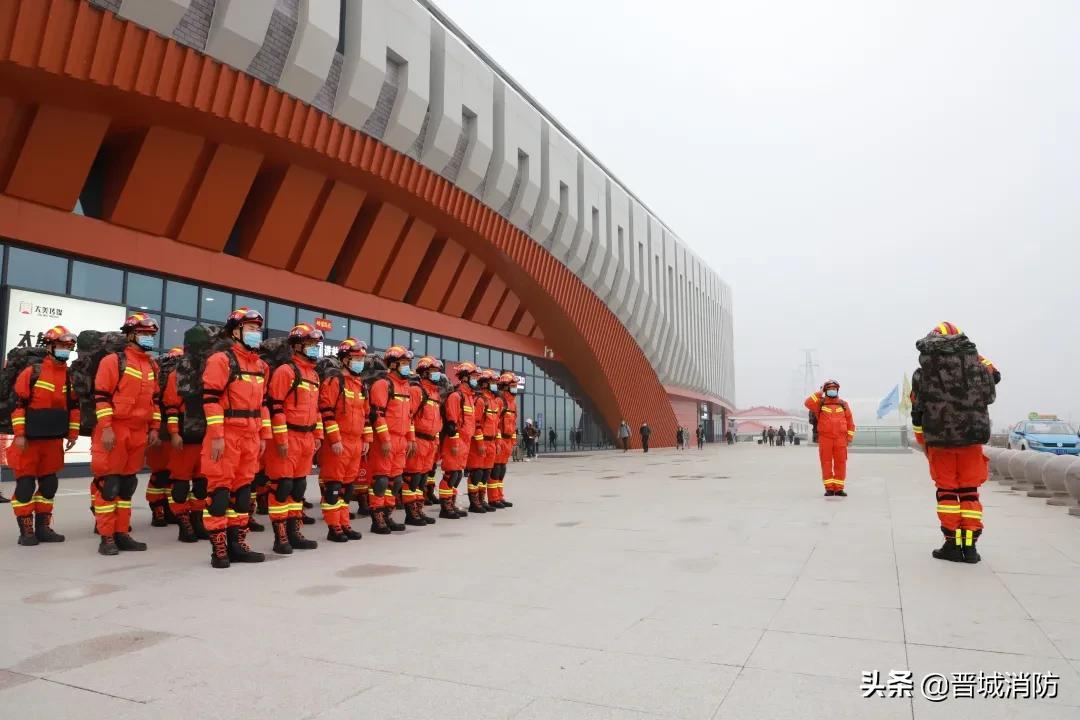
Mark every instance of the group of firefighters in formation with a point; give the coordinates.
(951, 392)
(377, 443)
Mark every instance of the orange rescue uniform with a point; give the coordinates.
(296, 426)
(836, 428)
(344, 409)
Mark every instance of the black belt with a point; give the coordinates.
(243, 413)
(425, 436)
(300, 428)
(489, 438)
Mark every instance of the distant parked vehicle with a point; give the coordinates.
(1045, 434)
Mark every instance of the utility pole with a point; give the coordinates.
(809, 374)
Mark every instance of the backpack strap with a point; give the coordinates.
(35, 373)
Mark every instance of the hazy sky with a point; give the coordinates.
(857, 170)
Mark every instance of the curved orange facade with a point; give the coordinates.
(211, 174)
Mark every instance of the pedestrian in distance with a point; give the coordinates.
(645, 432)
(780, 437)
(700, 438)
(836, 430)
(791, 435)
(679, 438)
(772, 435)
(552, 438)
(624, 436)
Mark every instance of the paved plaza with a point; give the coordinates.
(714, 584)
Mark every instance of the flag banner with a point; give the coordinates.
(889, 403)
(905, 396)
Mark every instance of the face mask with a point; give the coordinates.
(312, 352)
(436, 377)
(513, 390)
(144, 341)
(474, 383)
(832, 393)
(252, 339)
(404, 370)
(61, 354)
(357, 366)
(493, 387)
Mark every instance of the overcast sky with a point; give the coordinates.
(857, 170)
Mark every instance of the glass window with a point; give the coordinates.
(381, 337)
(434, 347)
(483, 357)
(401, 337)
(450, 351)
(281, 317)
(527, 366)
(215, 305)
(37, 271)
(341, 327)
(256, 304)
(97, 282)
(307, 315)
(549, 387)
(181, 298)
(143, 291)
(550, 418)
(419, 344)
(172, 333)
(466, 352)
(527, 408)
(361, 330)
(497, 361)
(518, 367)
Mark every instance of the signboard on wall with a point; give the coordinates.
(30, 314)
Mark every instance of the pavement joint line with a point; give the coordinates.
(91, 690)
(900, 595)
(993, 652)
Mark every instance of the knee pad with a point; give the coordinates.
(198, 488)
(219, 502)
(110, 487)
(397, 481)
(379, 485)
(24, 488)
(416, 482)
(160, 478)
(48, 485)
(299, 488)
(128, 483)
(260, 480)
(476, 477)
(456, 477)
(284, 489)
(180, 490)
(348, 493)
(330, 491)
(242, 504)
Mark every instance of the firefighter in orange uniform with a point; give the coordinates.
(836, 429)
(508, 384)
(394, 440)
(158, 460)
(128, 419)
(427, 424)
(237, 428)
(46, 412)
(482, 449)
(187, 488)
(344, 409)
(459, 427)
(293, 398)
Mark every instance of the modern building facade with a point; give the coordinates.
(363, 164)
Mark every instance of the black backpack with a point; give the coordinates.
(92, 347)
(166, 366)
(276, 352)
(18, 359)
(200, 342)
(954, 392)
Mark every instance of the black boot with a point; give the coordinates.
(334, 533)
(429, 496)
(971, 555)
(125, 542)
(197, 524)
(448, 512)
(841, 493)
(950, 551)
(3, 499)
(170, 516)
(107, 546)
(362, 509)
(504, 503)
(187, 530)
(307, 519)
(43, 529)
(238, 549)
(254, 525)
(423, 515)
(219, 549)
(390, 523)
(830, 493)
(412, 514)
(350, 533)
(296, 538)
(378, 523)
(475, 505)
(27, 537)
(157, 509)
(281, 538)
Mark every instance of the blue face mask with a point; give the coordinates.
(493, 387)
(312, 352)
(252, 339)
(404, 370)
(146, 342)
(357, 366)
(61, 354)
(513, 390)
(832, 393)
(436, 377)
(473, 383)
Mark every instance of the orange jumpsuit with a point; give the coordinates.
(187, 487)
(836, 428)
(427, 424)
(157, 460)
(458, 431)
(233, 405)
(35, 467)
(128, 405)
(344, 409)
(391, 404)
(508, 431)
(296, 425)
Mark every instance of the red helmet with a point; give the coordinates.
(465, 368)
(304, 332)
(488, 376)
(946, 328)
(396, 353)
(428, 363)
(139, 321)
(58, 334)
(242, 315)
(351, 347)
(508, 378)
(830, 383)
(177, 351)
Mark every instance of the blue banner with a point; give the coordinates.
(889, 403)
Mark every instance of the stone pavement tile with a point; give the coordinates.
(759, 694)
(731, 608)
(1064, 635)
(850, 563)
(925, 660)
(860, 622)
(43, 699)
(842, 658)
(676, 688)
(1022, 636)
(1045, 597)
(717, 643)
(418, 697)
(846, 593)
(992, 709)
(37, 641)
(547, 709)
